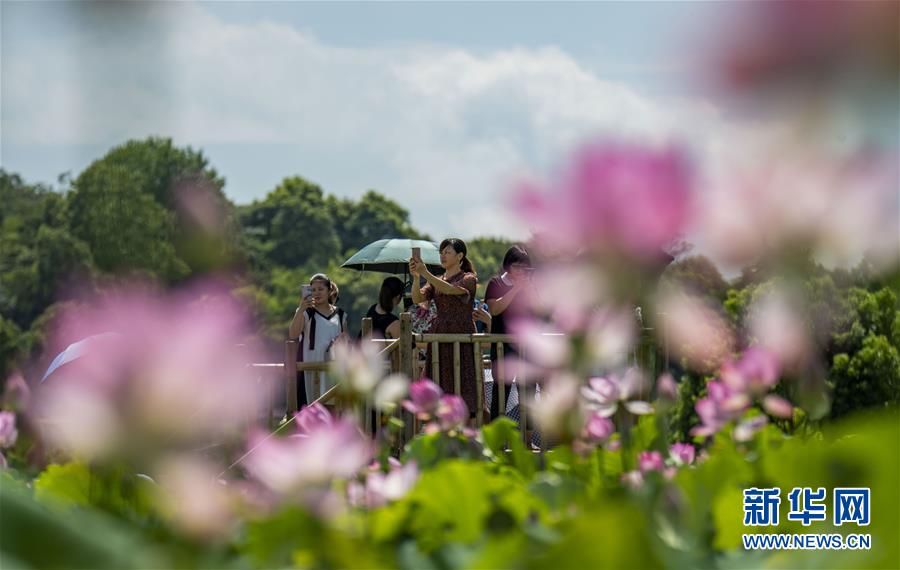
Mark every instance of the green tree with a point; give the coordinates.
(142, 207)
(292, 226)
(125, 227)
(372, 218)
(37, 252)
(699, 274)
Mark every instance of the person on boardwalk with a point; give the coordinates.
(385, 324)
(453, 294)
(318, 324)
(501, 297)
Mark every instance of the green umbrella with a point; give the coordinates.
(392, 256)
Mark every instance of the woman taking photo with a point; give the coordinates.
(502, 298)
(318, 324)
(453, 294)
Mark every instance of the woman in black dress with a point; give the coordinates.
(385, 323)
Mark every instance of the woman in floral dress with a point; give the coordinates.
(453, 294)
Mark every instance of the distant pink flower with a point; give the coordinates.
(291, 465)
(666, 388)
(721, 405)
(756, 372)
(312, 417)
(746, 429)
(682, 453)
(382, 488)
(778, 407)
(598, 428)
(425, 396)
(8, 432)
(452, 412)
(633, 479)
(650, 461)
(16, 394)
(621, 199)
(606, 394)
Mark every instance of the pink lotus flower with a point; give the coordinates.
(778, 407)
(613, 198)
(357, 368)
(8, 432)
(452, 412)
(606, 394)
(756, 372)
(382, 488)
(425, 396)
(293, 466)
(650, 461)
(598, 428)
(721, 405)
(666, 388)
(633, 479)
(312, 417)
(682, 453)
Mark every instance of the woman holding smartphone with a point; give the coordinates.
(502, 298)
(318, 324)
(453, 294)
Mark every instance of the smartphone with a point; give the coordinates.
(417, 253)
(305, 291)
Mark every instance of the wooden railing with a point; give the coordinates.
(399, 358)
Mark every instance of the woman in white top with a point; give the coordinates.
(318, 324)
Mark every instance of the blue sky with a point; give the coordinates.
(438, 105)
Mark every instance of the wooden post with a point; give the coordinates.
(406, 345)
(406, 367)
(457, 389)
(317, 384)
(290, 376)
(435, 363)
(498, 377)
(479, 383)
(367, 327)
(523, 396)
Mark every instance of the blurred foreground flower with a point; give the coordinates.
(694, 330)
(425, 396)
(682, 453)
(613, 199)
(8, 432)
(303, 465)
(607, 393)
(381, 488)
(196, 500)
(173, 378)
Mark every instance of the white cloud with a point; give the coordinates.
(448, 128)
